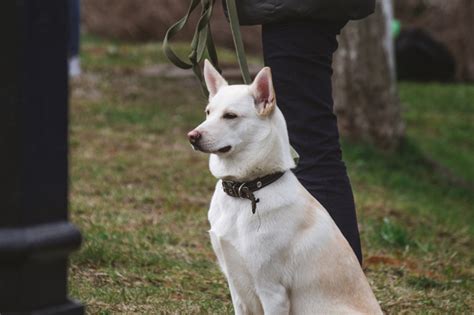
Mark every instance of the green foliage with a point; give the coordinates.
(441, 119)
(394, 234)
(423, 283)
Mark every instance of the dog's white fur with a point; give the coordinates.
(290, 257)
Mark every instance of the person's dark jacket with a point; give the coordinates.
(252, 12)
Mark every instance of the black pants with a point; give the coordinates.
(300, 56)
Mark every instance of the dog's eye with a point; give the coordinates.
(207, 111)
(229, 116)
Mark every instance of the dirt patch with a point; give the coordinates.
(394, 262)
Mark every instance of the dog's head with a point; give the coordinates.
(242, 122)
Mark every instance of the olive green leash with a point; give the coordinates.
(202, 41)
(238, 43)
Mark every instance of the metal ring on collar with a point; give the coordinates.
(240, 191)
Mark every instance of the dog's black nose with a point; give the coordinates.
(194, 136)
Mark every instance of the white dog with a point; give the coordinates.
(278, 247)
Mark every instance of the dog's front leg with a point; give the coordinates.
(274, 298)
(239, 308)
(236, 301)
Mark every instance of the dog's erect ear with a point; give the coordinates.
(214, 81)
(263, 92)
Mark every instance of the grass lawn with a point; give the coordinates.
(140, 195)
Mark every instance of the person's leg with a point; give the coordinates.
(300, 56)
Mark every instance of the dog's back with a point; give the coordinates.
(292, 247)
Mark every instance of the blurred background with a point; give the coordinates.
(449, 22)
(140, 194)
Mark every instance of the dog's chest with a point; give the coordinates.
(232, 223)
(245, 241)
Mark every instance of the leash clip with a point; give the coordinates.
(245, 193)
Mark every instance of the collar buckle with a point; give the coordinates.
(245, 190)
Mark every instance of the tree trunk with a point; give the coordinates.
(365, 91)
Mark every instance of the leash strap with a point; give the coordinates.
(237, 37)
(201, 43)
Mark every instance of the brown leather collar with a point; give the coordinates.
(245, 190)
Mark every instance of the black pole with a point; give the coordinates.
(35, 235)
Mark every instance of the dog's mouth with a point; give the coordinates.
(224, 149)
(196, 147)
